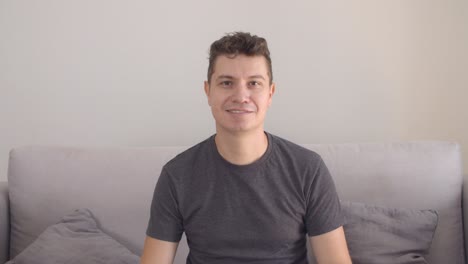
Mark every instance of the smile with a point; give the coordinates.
(239, 111)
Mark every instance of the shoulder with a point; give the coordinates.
(190, 158)
(290, 150)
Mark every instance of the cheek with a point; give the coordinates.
(263, 101)
(212, 100)
(219, 101)
(214, 103)
(269, 101)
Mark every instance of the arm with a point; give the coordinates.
(331, 248)
(157, 251)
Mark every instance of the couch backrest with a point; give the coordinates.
(117, 184)
(418, 175)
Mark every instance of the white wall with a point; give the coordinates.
(130, 73)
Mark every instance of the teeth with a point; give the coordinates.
(237, 111)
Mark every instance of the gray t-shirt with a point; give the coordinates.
(257, 213)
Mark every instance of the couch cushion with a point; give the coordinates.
(75, 239)
(388, 235)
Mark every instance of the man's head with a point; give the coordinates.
(239, 86)
(239, 43)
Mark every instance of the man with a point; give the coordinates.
(244, 195)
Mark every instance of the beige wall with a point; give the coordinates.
(130, 73)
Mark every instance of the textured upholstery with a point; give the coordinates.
(116, 184)
(4, 222)
(418, 175)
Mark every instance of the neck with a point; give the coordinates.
(241, 149)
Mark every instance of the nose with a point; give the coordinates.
(241, 94)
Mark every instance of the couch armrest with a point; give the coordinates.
(465, 214)
(4, 222)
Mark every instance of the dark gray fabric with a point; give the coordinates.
(257, 213)
(378, 235)
(75, 239)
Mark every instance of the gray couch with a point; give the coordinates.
(116, 184)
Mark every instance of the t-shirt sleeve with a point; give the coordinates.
(323, 212)
(165, 221)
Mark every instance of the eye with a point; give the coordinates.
(226, 83)
(255, 84)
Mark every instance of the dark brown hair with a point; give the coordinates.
(233, 44)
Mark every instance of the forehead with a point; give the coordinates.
(240, 66)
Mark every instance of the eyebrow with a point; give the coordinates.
(257, 77)
(224, 77)
(231, 77)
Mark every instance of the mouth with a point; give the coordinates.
(239, 111)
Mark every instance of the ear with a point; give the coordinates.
(272, 91)
(207, 91)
